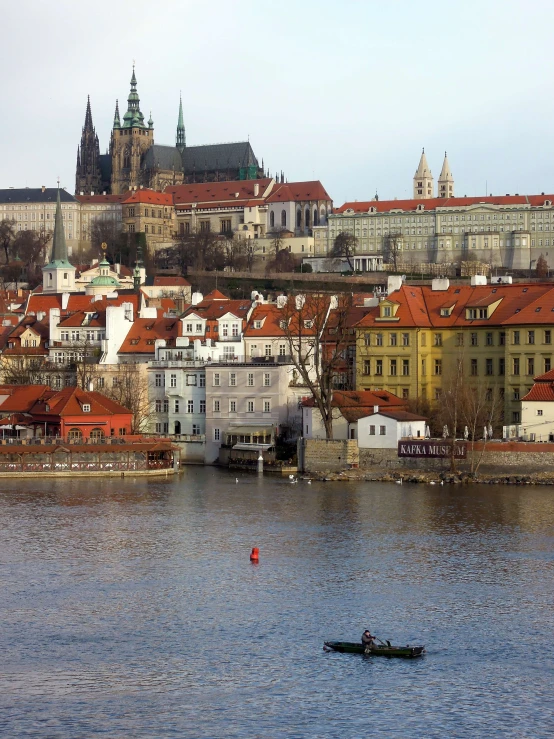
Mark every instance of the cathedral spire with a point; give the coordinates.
(88, 117)
(116, 121)
(180, 140)
(133, 117)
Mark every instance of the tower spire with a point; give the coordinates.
(116, 121)
(59, 246)
(423, 179)
(133, 117)
(446, 180)
(88, 117)
(180, 140)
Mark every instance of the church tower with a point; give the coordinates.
(131, 138)
(88, 177)
(423, 180)
(180, 139)
(446, 181)
(58, 276)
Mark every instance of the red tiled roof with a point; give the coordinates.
(546, 377)
(144, 332)
(540, 391)
(163, 281)
(298, 191)
(150, 196)
(215, 295)
(220, 193)
(382, 206)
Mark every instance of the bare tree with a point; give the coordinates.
(277, 241)
(200, 251)
(318, 354)
(130, 389)
(392, 248)
(7, 236)
(108, 232)
(23, 369)
(285, 261)
(344, 247)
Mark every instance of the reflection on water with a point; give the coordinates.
(130, 608)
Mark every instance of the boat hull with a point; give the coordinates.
(377, 650)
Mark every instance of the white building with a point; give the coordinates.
(537, 410)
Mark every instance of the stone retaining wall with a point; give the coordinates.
(329, 454)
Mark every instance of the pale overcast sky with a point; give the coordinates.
(346, 92)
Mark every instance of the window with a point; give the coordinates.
(474, 339)
(225, 225)
(195, 429)
(232, 406)
(367, 339)
(423, 339)
(474, 367)
(158, 428)
(250, 406)
(516, 394)
(267, 379)
(232, 379)
(393, 367)
(86, 407)
(216, 406)
(488, 367)
(267, 406)
(267, 350)
(188, 328)
(284, 218)
(204, 226)
(516, 366)
(539, 413)
(392, 339)
(530, 366)
(250, 381)
(547, 364)
(548, 337)
(489, 338)
(530, 337)
(372, 430)
(191, 379)
(190, 406)
(405, 339)
(216, 435)
(438, 339)
(173, 381)
(516, 417)
(367, 366)
(515, 337)
(282, 350)
(382, 430)
(379, 340)
(405, 367)
(387, 311)
(501, 366)
(158, 406)
(438, 366)
(166, 405)
(176, 406)
(217, 379)
(502, 338)
(202, 381)
(378, 366)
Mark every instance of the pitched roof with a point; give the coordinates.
(98, 199)
(21, 398)
(539, 391)
(219, 193)
(34, 195)
(298, 191)
(215, 295)
(166, 281)
(383, 206)
(143, 333)
(162, 157)
(149, 196)
(219, 156)
(70, 401)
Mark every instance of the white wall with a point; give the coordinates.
(542, 425)
(394, 431)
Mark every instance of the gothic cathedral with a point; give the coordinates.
(135, 161)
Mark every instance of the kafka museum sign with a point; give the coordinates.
(431, 449)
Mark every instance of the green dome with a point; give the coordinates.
(104, 281)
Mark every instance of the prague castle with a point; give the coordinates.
(135, 161)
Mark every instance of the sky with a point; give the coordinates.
(345, 92)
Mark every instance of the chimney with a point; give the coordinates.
(440, 283)
(92, 192)
(478, 280)
(196, 298)
(65, 300)
(376, 409)
(43, 188)
(91, 386)
(237, 194)
(256, 190)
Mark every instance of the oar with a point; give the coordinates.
(385, 644)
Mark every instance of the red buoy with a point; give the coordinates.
(255, 554)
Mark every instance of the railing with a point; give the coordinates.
(61, 440)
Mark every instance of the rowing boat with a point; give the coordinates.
(376, 650)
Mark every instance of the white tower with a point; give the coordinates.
(58, 276)
(423, 180)
(446, 181)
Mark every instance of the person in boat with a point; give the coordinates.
(368, 640)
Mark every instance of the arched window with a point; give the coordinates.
(322, 214)
(284, 218)
(272, 219)
(298, 218)
(307, 218)
(75, 435)
(97, 435)
(316, 219)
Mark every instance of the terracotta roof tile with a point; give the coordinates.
(150, 197)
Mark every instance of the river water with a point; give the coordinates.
(129, 608)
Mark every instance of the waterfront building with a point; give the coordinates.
(537, 409)
(411, 342)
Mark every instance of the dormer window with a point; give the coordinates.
(257, 324)
(475, 313)
(308, 324)
(387, 311)
(86, 407)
